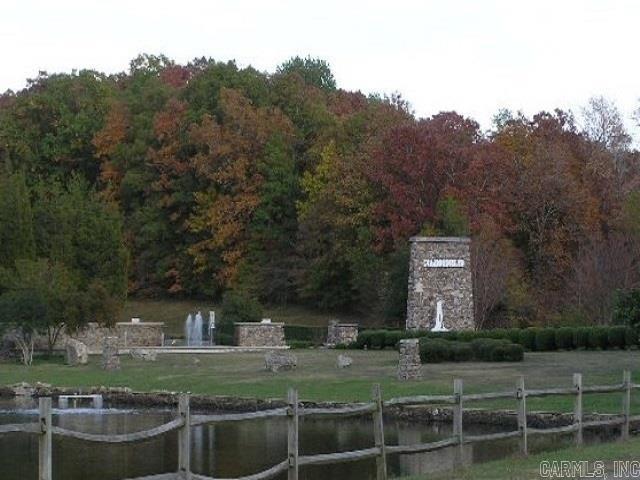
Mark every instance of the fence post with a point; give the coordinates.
(521, 395)
(184, 438)
(626, 403)
(292, 434)
(457, 417)
(44, 440)
(577, 407)
(378, 434)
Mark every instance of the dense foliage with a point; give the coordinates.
(63, 259)
(286, 188)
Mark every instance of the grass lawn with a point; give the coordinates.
(317, 378)
(174, 312)
(529, 468)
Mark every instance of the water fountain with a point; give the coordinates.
(193, 330)
(188, 326)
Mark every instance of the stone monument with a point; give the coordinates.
(77, 353)
(440, 296)
(110, 358)
(409, 366)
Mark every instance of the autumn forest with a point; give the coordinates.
(283, 187)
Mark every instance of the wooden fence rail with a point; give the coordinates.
(293, 411)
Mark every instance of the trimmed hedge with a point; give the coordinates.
(532, 339)
(545, 340)
(304, 333)
(436, 350)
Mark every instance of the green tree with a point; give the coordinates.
(314, 71)
(451, 218)
(16, 220)
(23, 314)
(268, 269)
(74, 227)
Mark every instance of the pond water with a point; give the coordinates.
(232, 449)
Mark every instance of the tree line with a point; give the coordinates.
(283, 188)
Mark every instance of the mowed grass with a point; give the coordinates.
(317, 377)
(529, 468)
(174, 312)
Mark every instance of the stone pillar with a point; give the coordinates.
(440, 271)
(110, 359)
(409, 366)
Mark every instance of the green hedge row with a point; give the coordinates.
(532, 339)
(304, 333)
(435, 350)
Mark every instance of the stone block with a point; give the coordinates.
(277, 361)
(144, 354)
(77, 353)
(344, 361)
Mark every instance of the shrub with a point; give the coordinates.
(434, 350)
(364, 339)
(626, 309)
(545, 340)
(528, 338)
(565, 338)
(616, 337)
(597, 337)
(581, 337)
(507, 352)
(513, 335)
(224, 339)
(392, 338)
(631, 337)
(461, 352)
(378, 339)
(467, 335)
(483, 347)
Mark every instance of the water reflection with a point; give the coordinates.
(227, 450)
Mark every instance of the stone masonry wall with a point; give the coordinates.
(144, 334)
(250, 334)
(440, 269)
(341, 333)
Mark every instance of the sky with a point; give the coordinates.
(470, 56)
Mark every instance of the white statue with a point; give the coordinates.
(439, 326)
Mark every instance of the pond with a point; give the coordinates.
(231, 449)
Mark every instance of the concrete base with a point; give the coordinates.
(216, 349)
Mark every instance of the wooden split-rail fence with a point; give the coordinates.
(185, 420)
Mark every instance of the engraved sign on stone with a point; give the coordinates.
(444, 263)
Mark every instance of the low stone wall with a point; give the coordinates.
(130, 335)
(341, 333)
(144, 334)
(250, 334)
